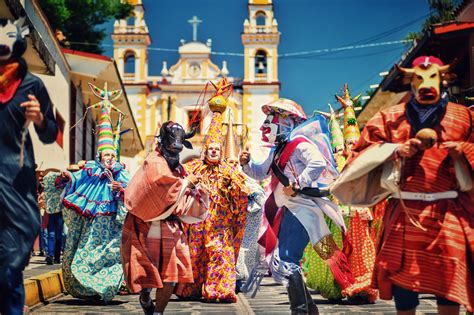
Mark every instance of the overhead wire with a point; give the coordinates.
(359, 44)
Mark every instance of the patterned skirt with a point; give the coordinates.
(92, 267)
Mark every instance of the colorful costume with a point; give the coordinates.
(427, 238)
(249, 254)
(297, 219)
(318, 275)
(362, 256)
(19, 213)
(154, 246)
(215, 243)
(94, 216)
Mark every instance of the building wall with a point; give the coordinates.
(253, 117)
(52, 155)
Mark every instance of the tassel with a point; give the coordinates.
(340, 269)
(254, 281)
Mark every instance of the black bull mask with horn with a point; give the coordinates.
(171, 141)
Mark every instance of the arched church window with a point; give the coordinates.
(260, 18)
(129, 67)
(261, 62)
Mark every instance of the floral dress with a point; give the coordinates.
(214, 243)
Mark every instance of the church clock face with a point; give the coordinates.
(194, 69)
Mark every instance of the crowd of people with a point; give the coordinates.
(351, 215)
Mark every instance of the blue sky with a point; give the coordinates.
(305, 25)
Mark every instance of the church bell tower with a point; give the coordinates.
(131, 40)
(261, 85)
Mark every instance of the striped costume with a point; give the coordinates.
(440, 259)
(154, 247)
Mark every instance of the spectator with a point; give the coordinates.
(53, 207)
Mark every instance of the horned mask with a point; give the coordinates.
(425, 78)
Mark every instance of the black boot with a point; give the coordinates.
(312, 307)
(49, 260)
(297, 294)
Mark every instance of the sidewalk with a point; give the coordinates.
(38, 267)
(42, 282)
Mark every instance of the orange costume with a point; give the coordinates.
(440, 260)
(154, 247)
(362, 256)
(215, 243)
(426, 243)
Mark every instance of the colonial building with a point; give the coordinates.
(65, 74)
(174, 93)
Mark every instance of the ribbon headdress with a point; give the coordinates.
(108, 139)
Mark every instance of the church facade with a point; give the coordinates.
(174, 93)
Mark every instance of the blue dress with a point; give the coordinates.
(94, 215)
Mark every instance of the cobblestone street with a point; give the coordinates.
(271, 299)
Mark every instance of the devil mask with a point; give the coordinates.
(12, 42)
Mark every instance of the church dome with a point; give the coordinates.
(194, 48)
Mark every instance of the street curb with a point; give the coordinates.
(40, 289)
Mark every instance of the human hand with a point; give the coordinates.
(244, 156)
(454, 148)
(290, 190)
(193, 180)
(33, 111)
(409, 147)
(116, 185)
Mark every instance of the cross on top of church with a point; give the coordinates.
(194, 22)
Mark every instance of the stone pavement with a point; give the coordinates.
(271, 299)
(38, 267)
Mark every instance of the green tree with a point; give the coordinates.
(441, 11)
(81, 21)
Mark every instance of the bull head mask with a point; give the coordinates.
(425, 78)
(171, 141)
